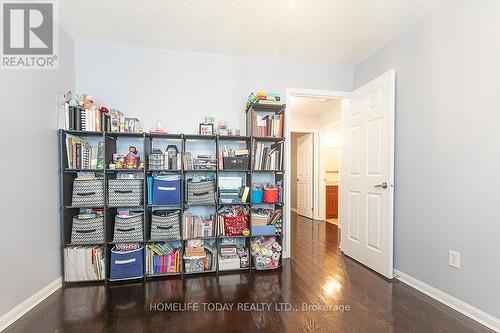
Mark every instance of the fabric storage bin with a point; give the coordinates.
(166, 192)
(201, 192)
(88, 193)
(128, 228)
(87, 230)
(126, 264)
(165, 225)
(257, 196)
(194, 264)
(125, 192)
(235, 163)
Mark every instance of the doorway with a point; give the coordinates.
(366, 172)
(315, 139)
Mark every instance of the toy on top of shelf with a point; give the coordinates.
(85, 101)
(132, 161)
(262, 97)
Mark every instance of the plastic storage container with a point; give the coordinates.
(271, 195)
(257, 196)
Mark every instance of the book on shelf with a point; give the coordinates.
(196, 226)
(80, 154)
(84, 263)
(162, 258)
(268, 125)
(79, 119)
(187, 161)
(268, 157)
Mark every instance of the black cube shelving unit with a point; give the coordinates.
(146, 142)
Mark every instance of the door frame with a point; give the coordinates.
(315, 175)
(296, 92)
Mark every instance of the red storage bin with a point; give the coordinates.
(271, 195)
(234, 225)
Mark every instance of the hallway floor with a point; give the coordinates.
(359, 300)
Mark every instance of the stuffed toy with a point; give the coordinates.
(85, 101)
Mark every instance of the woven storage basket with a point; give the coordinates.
(128, 228)
(125, 192)
(201, 192)
(87, 230)
(88, 193)
(165, 225)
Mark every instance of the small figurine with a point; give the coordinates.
(67, 97)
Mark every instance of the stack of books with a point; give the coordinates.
(162, 258)
(79, 119)
(84, 263)
(197, 227)
(267, 158)
(268, 125)
(81, 155)
(187, 161)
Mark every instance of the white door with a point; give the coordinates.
(305, 175)
(367, 174)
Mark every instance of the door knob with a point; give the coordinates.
(383, 185)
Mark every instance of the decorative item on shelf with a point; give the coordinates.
(172, 153)
(156, 160)
(233, 132)
(222, 128)
(209, 120)
(157, 128)
(132, 161)
(206, 129)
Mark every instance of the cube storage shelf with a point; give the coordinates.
(146, 142)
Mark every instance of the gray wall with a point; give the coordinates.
(30, 256)
(180, 87)
(447, 148)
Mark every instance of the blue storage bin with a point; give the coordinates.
(166, 192)
(257, 196)
(126, 265)
(263, 230)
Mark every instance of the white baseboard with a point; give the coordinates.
(21, 309)
(454, 303)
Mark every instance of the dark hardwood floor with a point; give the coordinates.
(317, 274)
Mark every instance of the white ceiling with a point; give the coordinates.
(329, 31)
(313, 106)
